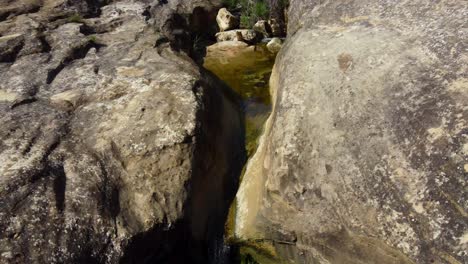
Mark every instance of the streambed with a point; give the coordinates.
(247, 70)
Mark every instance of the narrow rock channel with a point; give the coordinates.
(247, 70)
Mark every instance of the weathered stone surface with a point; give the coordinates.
(245, 35)
(179, 21)
(274, 45)
(12, 8)
(10, 46)
(277, 29)
(363, 158)
(114, 147)
(227, 47)
(226, 20)
(263, 27)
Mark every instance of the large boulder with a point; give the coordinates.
(245, 35)
(274, 45)
(364, 158)
(226, 20)
(263, 27)
(226, 47)
(115, 147)
(179, 21)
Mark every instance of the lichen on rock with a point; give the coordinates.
(110, 134)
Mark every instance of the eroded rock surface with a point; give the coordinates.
(364, 157)
(263, 27)
(274, 45)
(245, 35)
(114, 146)
(226, 20)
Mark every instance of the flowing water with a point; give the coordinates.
(247, 71)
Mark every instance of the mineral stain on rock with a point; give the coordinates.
(345, 61)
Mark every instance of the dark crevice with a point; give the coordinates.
(12, 54)
(31, 143)
(56, 18)
(188, 139)
(110, 193)
(162, 2)
(54, 72)
(60, 181)
(45, 45)
(35, 9)
(203, 29)
(23, 102)
(211, 145)
(159, 45)
(94, 7)
(160, 245)
(147, 13)
(76, 54)
(4, 15)
(87, 30)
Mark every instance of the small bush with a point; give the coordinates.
(245, 21)
(75, 18)
(230, 4)
(261, 10)
(92, 39)
(251, 12)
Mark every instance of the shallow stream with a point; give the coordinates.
(247, 70)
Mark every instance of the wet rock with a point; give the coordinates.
(113, 141)
(245, 35)
(274, 45)
(226, 20)
(365, 150)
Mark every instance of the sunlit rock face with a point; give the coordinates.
(364, 158)
(226, 20)
(114, 146)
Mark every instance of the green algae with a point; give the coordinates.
(247, 71)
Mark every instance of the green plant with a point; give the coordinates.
(248, 259)
(230, 4)
(245, 21)
(261, 10)
(92, 39)
(75, 18)
(252, 11)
